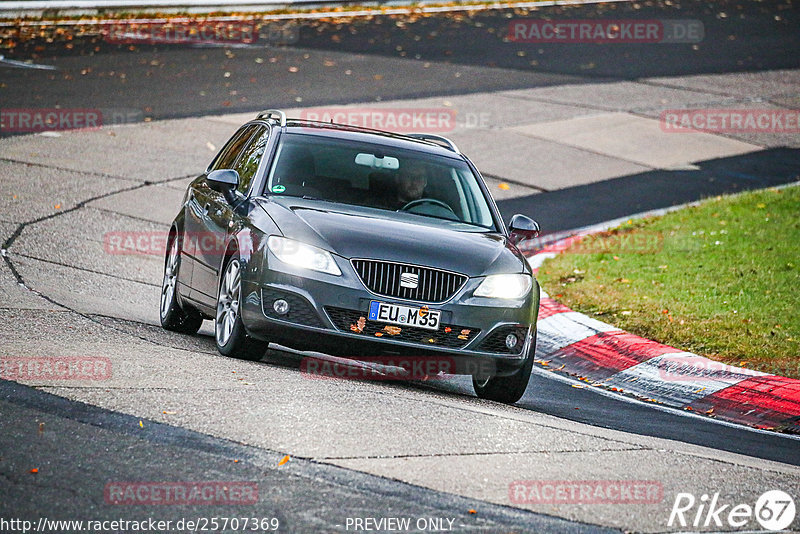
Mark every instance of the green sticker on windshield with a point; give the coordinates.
(278, 188)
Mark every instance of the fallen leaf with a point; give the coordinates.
(504, 186)
(141, 425)
(57, 206)
(284, 460)
(35, 470)
(473, 512)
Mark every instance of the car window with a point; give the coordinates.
(227, 156)
(379, 176)
(247, 165)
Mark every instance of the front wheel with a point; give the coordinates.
(173, 316)
(229, 332)
(506, 389)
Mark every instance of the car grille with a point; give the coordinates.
(390, 279)
(300, 310)
(496, 341)
(448, 336)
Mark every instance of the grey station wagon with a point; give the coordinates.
(357, 243)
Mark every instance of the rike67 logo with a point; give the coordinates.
(774, 510)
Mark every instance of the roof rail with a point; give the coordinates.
(433, 137)
(273, 113)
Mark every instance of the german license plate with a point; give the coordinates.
(404, 315)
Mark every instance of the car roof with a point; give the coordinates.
(366, 135)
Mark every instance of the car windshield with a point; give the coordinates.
(379, 176)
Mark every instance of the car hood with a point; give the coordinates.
(355, 232)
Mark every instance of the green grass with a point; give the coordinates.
(721, 279)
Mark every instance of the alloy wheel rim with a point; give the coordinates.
(228, 303)
(170, 278)
(482, 382)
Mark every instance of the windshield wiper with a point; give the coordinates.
(459, 221)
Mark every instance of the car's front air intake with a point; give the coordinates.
(409, 282)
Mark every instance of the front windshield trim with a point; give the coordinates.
(455, 222)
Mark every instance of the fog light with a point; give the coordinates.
(281, 307)
(511, 341)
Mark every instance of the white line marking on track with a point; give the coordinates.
(24, 64)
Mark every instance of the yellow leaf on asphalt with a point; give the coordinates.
(284, 460)
(141, 425)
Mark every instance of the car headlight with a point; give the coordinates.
(302, 255)
(504, 286)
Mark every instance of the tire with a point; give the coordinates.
(507, 389)
(229, 331)
(173, 316)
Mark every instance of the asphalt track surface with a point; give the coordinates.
(103, 445)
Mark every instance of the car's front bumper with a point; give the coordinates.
(324, 313)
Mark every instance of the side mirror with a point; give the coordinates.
(521, 228)
(224, 181)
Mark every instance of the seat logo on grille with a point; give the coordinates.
(409, 280)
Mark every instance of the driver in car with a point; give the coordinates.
(411, 182)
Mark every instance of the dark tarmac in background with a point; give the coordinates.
(391, 57)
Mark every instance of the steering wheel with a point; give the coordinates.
(420, 201)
